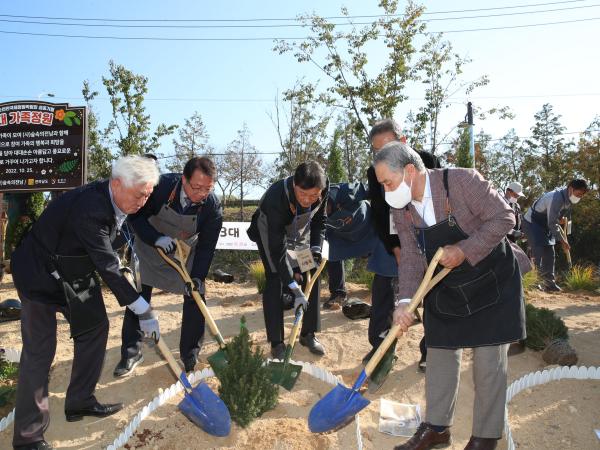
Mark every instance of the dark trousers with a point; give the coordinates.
(38, 330)
(544, 256)
(273, 305)
(337, 278)
(192, 329)
(382, 308)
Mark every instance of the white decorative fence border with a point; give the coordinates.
(542, 377)
(11, 355)
(525, 382)
(176, 388)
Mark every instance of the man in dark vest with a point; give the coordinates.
(386, 256)
(289, 228)
(541, 224)
(55, 269)
(181, 207)
(478, 305)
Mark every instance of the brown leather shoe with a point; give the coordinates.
(426, 438)
(476, 443)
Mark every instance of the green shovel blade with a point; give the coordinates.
(381, 372)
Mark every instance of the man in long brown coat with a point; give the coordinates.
(478, 305)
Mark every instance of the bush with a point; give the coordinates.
(246, 386)
(581, 278)
(9, 372)
(257, 271)
(531, 279)
(543, 327)
(358, 273)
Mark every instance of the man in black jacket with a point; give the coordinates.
(66, 249)
(288, 227)
(181, 207)
(381, 133)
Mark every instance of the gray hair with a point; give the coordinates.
(134, 170)
(397, 155)
(385, 126)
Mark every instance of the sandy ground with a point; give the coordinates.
(556, 416)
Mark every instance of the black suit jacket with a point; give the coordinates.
(209, 221)
(79, 222)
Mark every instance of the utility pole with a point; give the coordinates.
(471, 137)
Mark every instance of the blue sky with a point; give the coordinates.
(236, 81)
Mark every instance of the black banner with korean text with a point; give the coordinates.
(42, 146)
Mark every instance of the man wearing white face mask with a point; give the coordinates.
(543, 230)
(513, 192)
(478, 305)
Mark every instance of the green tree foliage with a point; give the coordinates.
(587, 158)
(246, 386)
(342, 55)
(302, 131)
(23, 210)
(462, 150)
(335, 167)
(548, 144)
(193, 141)
(99, 157)
(129, 129)
(440, 70)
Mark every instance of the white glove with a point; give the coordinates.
(147, 317)
(166, 243)
(149, 325)
(300, 298)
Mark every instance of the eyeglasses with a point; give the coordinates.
(201, 189)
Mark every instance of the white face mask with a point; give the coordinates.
(512, 200)
(401, 196)
(574, 199)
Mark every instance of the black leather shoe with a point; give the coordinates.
(426, 438)
(334, 302)
(97, 410)
(476, 443)
(278, 352)
(39, 445)
(368, 356)
(126, 365)
(189, 364)
(314, 346)
(551, 286)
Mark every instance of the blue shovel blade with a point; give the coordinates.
(205, 409)
(337, 408)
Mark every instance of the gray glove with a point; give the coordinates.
(166, 243)
(198, 286)
(517, 234)
(149, 325)
(300, 299)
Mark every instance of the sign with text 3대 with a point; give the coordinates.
(233, 236)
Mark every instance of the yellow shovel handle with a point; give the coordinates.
(427, 283)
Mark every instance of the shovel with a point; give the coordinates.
(380, 373)
(219, 359)
(341, 404)
(563, 233)
(284, 373)
(200, 404)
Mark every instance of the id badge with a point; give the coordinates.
(392, 225)
(305, 259)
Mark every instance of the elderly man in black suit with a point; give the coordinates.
(55, 270)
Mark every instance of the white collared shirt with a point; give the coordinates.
(425, 206)
(120, 216)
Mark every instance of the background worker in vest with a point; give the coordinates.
(384, 266)
(184, 207)
(541, 224)
(478, 305)
(55, 270)
(512, 194)
(288, 227)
